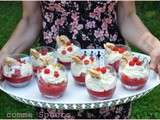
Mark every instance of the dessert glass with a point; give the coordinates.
(66, 51)
(17, 70)
(113, 57)
(101, 82)
(42, 56)
(134, 74)
(52, 81)
(79, 67)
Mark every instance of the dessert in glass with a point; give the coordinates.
(114, 54)
(79, 67)
(52, 80)
(17, 70)
(41, 57)
(66, 49)
(101, 82)
(134, 73)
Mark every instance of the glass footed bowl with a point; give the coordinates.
(52, 81)
(113, 59)
(17, 70)
(46, 55)
(102, 85)
(80, 66)
(65, 53)
(134, 75)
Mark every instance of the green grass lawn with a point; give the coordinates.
(145, 107)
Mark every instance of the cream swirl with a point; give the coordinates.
(112, 57)
(24, 68)
(43, 60)
(135, 71)
(77, 69)
(50, 78)
(67, 57)
(106, 82)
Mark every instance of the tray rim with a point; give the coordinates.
(78, 106)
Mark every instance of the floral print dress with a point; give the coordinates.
(91, 23)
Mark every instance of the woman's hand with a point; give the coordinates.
(155, 59)
(3, 55)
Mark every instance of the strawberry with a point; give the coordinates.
(131, 63)
(135, 59)
(64, 52)
(43, 52)
(103, 70)
(70, 49)
(56, 74)
(92, 58)
(39, 69)
(139, 63)
(86, 62)
(83, 56)
(68, 43)
(121, 50)
(115, 49)
(46, 71)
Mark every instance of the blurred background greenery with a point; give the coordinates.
(146, 107)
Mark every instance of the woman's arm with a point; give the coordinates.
(26, 31)
(134, 31)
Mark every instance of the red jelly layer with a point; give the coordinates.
(107, 94)
(51, 89)
(133, 82)
(80, 79)
(66, 64)
(115, 65)
(18, 80)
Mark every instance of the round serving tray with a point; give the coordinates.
(76, 97)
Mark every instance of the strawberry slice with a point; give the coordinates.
(91, 58)
(70, 49)
(64, 52)
(131, 63)
(139, 63)
(46, 71)
(86, 62)
(56, 74)
(121, 50)
(83, 56)
(124, 77)
(103, 70)
(135, 59)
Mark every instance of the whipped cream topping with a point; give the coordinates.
(113, 57)
(77, 69)
(135, 71)
(50, 78)
(24, 68)
(106, 82)
(67, 57)
(39, 61)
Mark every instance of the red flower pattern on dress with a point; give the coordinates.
(89, 22)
